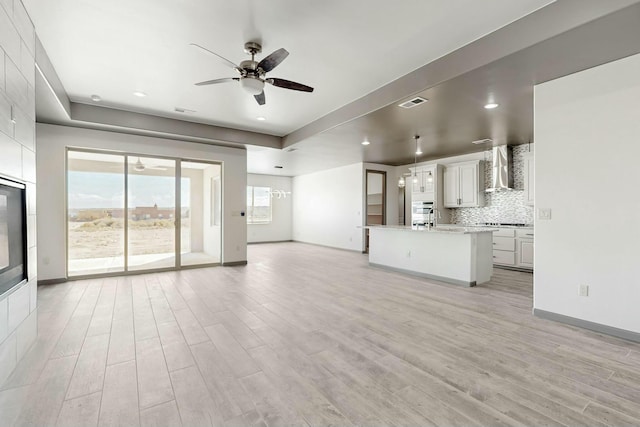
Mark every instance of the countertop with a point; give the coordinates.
(449, 229)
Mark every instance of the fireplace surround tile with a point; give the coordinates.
(19, 304)
(26, 334)
(4, 319)
(8, 357)
(18, 314)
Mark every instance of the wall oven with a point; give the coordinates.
(421, 214)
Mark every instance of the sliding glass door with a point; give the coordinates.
(200, 195)
(95, 213)
(172, 217)
(151, 225)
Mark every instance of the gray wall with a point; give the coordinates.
(18, 315)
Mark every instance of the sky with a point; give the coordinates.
(91, 190)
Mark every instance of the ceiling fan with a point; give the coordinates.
(139, 166)
(252, 73)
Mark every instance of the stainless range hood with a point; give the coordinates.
(501, 173)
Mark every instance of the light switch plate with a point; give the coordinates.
(584, 291)
(544, 213)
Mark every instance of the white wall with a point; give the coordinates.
(52, 141)
(280, 228)
(587, 128)
(328, 207)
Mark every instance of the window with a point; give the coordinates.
(258, 205)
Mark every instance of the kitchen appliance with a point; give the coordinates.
(422, 214)
(504, 224)
(502, 175)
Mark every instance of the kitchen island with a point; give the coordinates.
(458, 255)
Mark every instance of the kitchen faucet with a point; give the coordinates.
(436, 215)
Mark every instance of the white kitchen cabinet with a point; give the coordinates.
(425, 182)
(529, 180)
(524, 244)
(513, 248)
(504, 247)
(464, 185)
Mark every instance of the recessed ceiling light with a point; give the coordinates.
(96, 98)
(262, 119)
(365, 142)
(139, 94)
(491, 106)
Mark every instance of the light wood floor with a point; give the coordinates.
(306, 335)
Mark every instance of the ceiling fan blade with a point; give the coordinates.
(272, 61)
(229, 63)
(260, 98)
(215, 81)
(288, 84)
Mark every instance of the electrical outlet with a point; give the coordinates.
(584, 291)
(544, 213)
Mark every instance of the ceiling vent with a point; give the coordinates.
(482, 141)
(413, 102)
(184, 110)
(291, 150)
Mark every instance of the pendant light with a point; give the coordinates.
(429, 177)
(401, 182)
(415, 160)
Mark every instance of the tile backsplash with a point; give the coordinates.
(502, 206)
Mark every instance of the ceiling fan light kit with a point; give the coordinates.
(252, 73)
(252, 85)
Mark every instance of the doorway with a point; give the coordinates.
(376, 206)
(172, 217)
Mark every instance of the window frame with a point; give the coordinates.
(250, 206)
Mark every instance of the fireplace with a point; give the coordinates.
(13, 234)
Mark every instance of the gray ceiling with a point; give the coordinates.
(562, 38)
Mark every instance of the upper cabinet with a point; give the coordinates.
(423, 182)
(464, 185)
(529, 180)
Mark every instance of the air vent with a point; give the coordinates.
(278, 167)
(482, 141)
(413, 102)
(184, 110)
